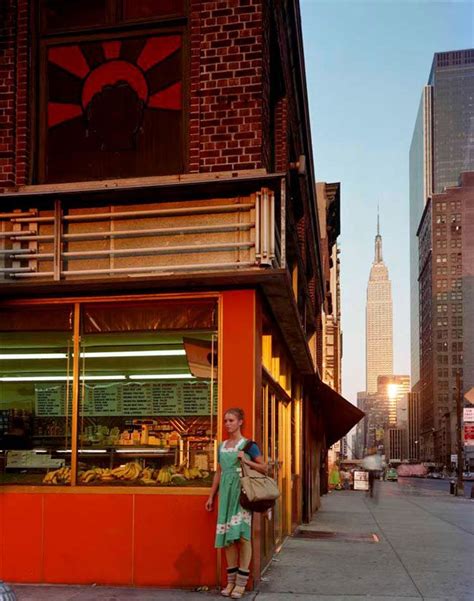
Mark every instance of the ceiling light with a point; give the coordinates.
(33, 356)
(57, 378)
(97, 354)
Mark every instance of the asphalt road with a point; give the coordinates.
(431, 485)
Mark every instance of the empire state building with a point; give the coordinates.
(379, 320)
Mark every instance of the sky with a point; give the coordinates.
(366, 65)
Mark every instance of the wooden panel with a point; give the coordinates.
(174, 542)
(88, 539)
(21, 543)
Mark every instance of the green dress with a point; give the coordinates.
(233, 522)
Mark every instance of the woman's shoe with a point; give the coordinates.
(240, 584)
(226, 592)
(238, 592)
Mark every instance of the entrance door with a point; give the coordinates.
(276, 437)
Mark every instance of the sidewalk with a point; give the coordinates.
(422, 550)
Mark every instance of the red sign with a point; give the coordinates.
(469, 435)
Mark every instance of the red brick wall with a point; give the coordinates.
(226, 73)
(229, 87)
(14, 72)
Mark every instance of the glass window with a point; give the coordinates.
(35, 395)
(152, 419)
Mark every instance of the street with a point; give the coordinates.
(431, 485)
(409, 543)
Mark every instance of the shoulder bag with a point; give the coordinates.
(259, 492)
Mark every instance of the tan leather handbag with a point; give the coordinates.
(259, 492)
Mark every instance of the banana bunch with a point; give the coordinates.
(192, 473)
(147, 476)
(88, 476)
(129, 471)
(164, 476)
(60, 476)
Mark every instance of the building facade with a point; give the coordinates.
(442, 147)
(161, 256)
(413, 431)
(446, 309)
(379, 320)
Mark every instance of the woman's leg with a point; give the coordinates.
(243, 572)
(245, 554)
(232, 559)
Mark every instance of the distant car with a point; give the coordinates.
(391, 474)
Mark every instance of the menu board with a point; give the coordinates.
(166, 397)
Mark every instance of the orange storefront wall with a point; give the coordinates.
(131, 538)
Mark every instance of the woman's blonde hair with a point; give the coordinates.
(239, 413)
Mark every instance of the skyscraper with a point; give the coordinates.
(442, 147)
(379, 322)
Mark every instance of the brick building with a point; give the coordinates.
(446, 314)
(160, 261)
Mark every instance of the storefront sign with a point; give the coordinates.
(129, 399)
(468, 414)
(361, 480)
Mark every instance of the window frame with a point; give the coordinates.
(127, 29)
(76, 370)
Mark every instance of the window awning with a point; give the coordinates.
(339, 415)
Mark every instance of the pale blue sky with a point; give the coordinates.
(366, 64)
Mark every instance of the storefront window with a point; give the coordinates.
(146, 394)
(35, 395)
(151, 421)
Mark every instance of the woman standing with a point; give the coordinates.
(234, 524)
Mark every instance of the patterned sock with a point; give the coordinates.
(231, 575)
(242, 577)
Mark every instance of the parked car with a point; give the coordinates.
(391, 474)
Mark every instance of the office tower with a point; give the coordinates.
(393, 388)
(442, 147)
(379, 329)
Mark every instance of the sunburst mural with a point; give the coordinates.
(111, 96)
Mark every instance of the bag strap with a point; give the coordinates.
(247, 446)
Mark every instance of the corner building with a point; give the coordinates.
(160, 262)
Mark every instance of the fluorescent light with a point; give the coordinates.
(162, 377)
(9, 356)
(57, 378)
(103, 378)
(142, 451)
(96, 354)
(92, 451)
(156, 353)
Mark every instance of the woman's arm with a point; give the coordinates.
(258, 464)
(214, 488)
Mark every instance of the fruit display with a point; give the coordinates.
(60, 476)
(128, 473)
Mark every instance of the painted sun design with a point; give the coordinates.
(149, 71)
